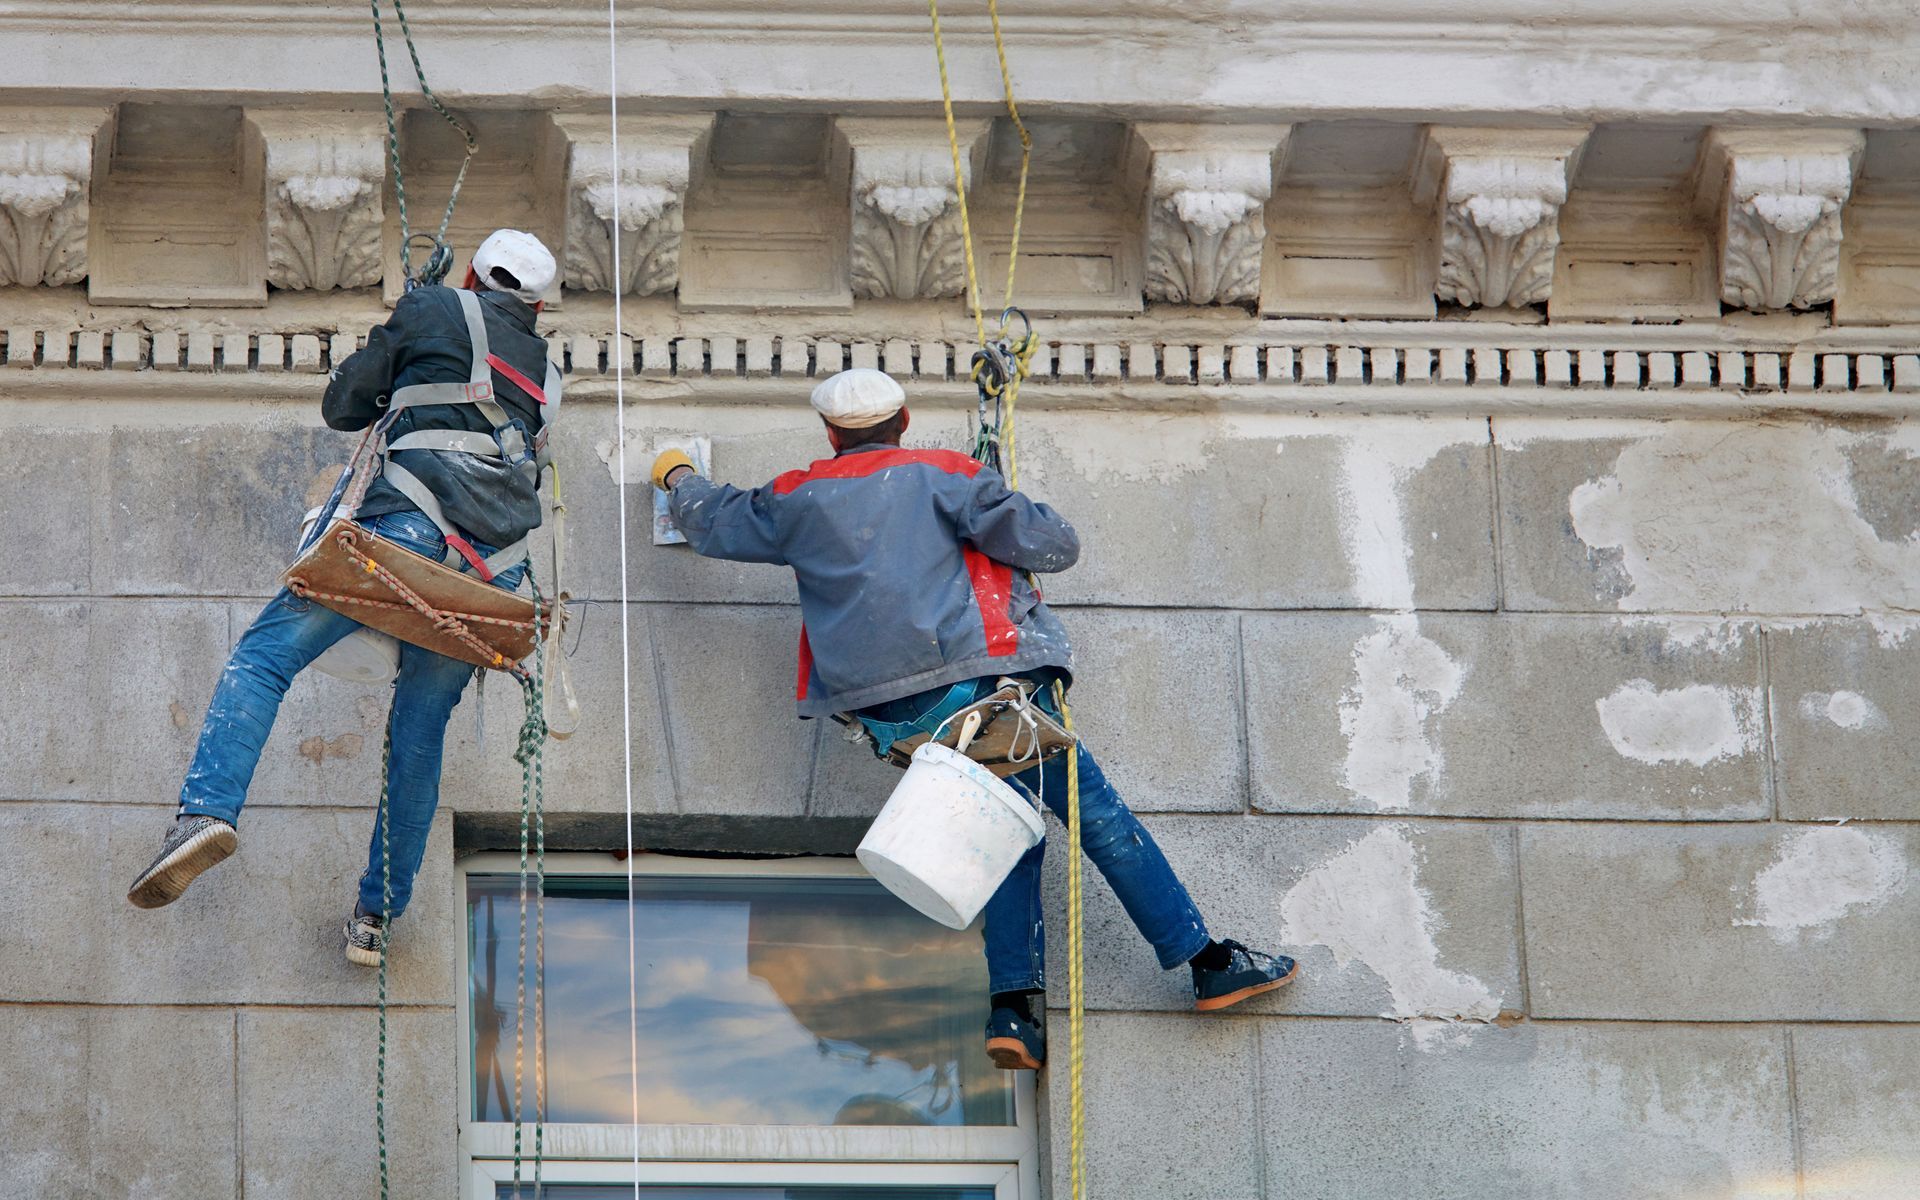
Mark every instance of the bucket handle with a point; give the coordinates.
(969, 728)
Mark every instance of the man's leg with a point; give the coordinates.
(424, 697)
(1016, 947)
(1127, 857)
(288, 634)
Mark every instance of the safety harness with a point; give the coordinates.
(510, 440)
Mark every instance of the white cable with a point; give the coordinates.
(617, 352)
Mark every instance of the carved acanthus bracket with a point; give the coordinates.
(1500, 194)
(46, 169)
(655, 170)
(907, 242)
(1781, 194)
(1207, 193)
(325, 179)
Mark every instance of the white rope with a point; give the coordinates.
(618, 355)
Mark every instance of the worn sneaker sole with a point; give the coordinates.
(1010, 1054)
(1216, 1003)
(166, 880)
(362, 958)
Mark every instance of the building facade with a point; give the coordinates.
(1489, 428)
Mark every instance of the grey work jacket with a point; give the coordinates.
(911, 567)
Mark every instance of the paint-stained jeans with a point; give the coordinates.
(1112, 836)
(289, 634)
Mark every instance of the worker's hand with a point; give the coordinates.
(665, 466)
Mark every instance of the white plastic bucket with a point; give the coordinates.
(363, 656)
(948, 836)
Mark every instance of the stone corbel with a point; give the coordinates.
(906, 242)
(1499, 193)
(1780, 193)
(656, 158)
(46, 171)
(1207, 193)
(325, 178)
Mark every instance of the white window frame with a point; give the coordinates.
(1006, 1158)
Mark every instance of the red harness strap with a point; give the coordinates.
(516, 378)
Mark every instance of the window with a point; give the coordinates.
(801, 1034)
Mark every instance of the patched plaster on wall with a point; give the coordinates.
(1848, 710)
(1822, 875)
(1401, 680)
(1745, 518)
(1696, 724)
(1366, 905)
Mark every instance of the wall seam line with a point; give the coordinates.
(1793, 1117)
(1520, 924)
(1246, 714)
(1770, 780)
(1499, 538)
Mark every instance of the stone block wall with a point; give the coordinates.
(1570, 756)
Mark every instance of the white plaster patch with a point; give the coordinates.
(638, 460)
(1366, 905)
(1375, 462)
(1823, 875)
(1713, 634)
(1697, 724)
(1848, 710)
(1710, 517)
(1893, 628)
(1401, 680)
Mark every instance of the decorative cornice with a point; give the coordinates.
(46, 170)
(655, 171)
(906, 238)
(325, 180)
(1207, 191)
(1780, 214)
(1500, 199)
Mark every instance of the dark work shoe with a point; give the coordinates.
(363, 934)
(1015, 1043)
(193, 844)
(1247, 973)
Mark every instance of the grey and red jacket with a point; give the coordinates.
(911, 565)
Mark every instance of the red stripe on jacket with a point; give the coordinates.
(521, 381)
(859, 466)
(806, 665)
(993, 591)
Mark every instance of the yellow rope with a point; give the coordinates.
(1022, 355)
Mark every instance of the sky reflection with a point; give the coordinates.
(776, 1001)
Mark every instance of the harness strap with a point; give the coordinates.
(448, 439)
(458, 547)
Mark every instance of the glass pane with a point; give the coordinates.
(777, 1001)
(620, 1191)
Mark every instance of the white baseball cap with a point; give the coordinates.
(858, 399)
(521, 256)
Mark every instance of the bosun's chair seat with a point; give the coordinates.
(329, 575)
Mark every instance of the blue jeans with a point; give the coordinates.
(290, 633)
(1112, 836)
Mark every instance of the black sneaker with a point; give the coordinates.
(1247, 973)
(193, 844)
(1015, 1043)
(363, 934)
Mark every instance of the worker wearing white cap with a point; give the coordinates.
(915, 577)
(463, 380)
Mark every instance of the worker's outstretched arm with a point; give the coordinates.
(722, 521)
(1008, 527)
(358, 388)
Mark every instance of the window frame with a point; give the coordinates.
(1004, 1157)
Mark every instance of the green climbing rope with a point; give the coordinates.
(440, 257)
(530, 753)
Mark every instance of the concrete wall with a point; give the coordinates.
(1574, 759)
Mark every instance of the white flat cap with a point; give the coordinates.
(520, 255)
(858, 399)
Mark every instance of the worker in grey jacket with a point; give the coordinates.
(913, 568)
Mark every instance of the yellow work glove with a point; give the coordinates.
(668, 462)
